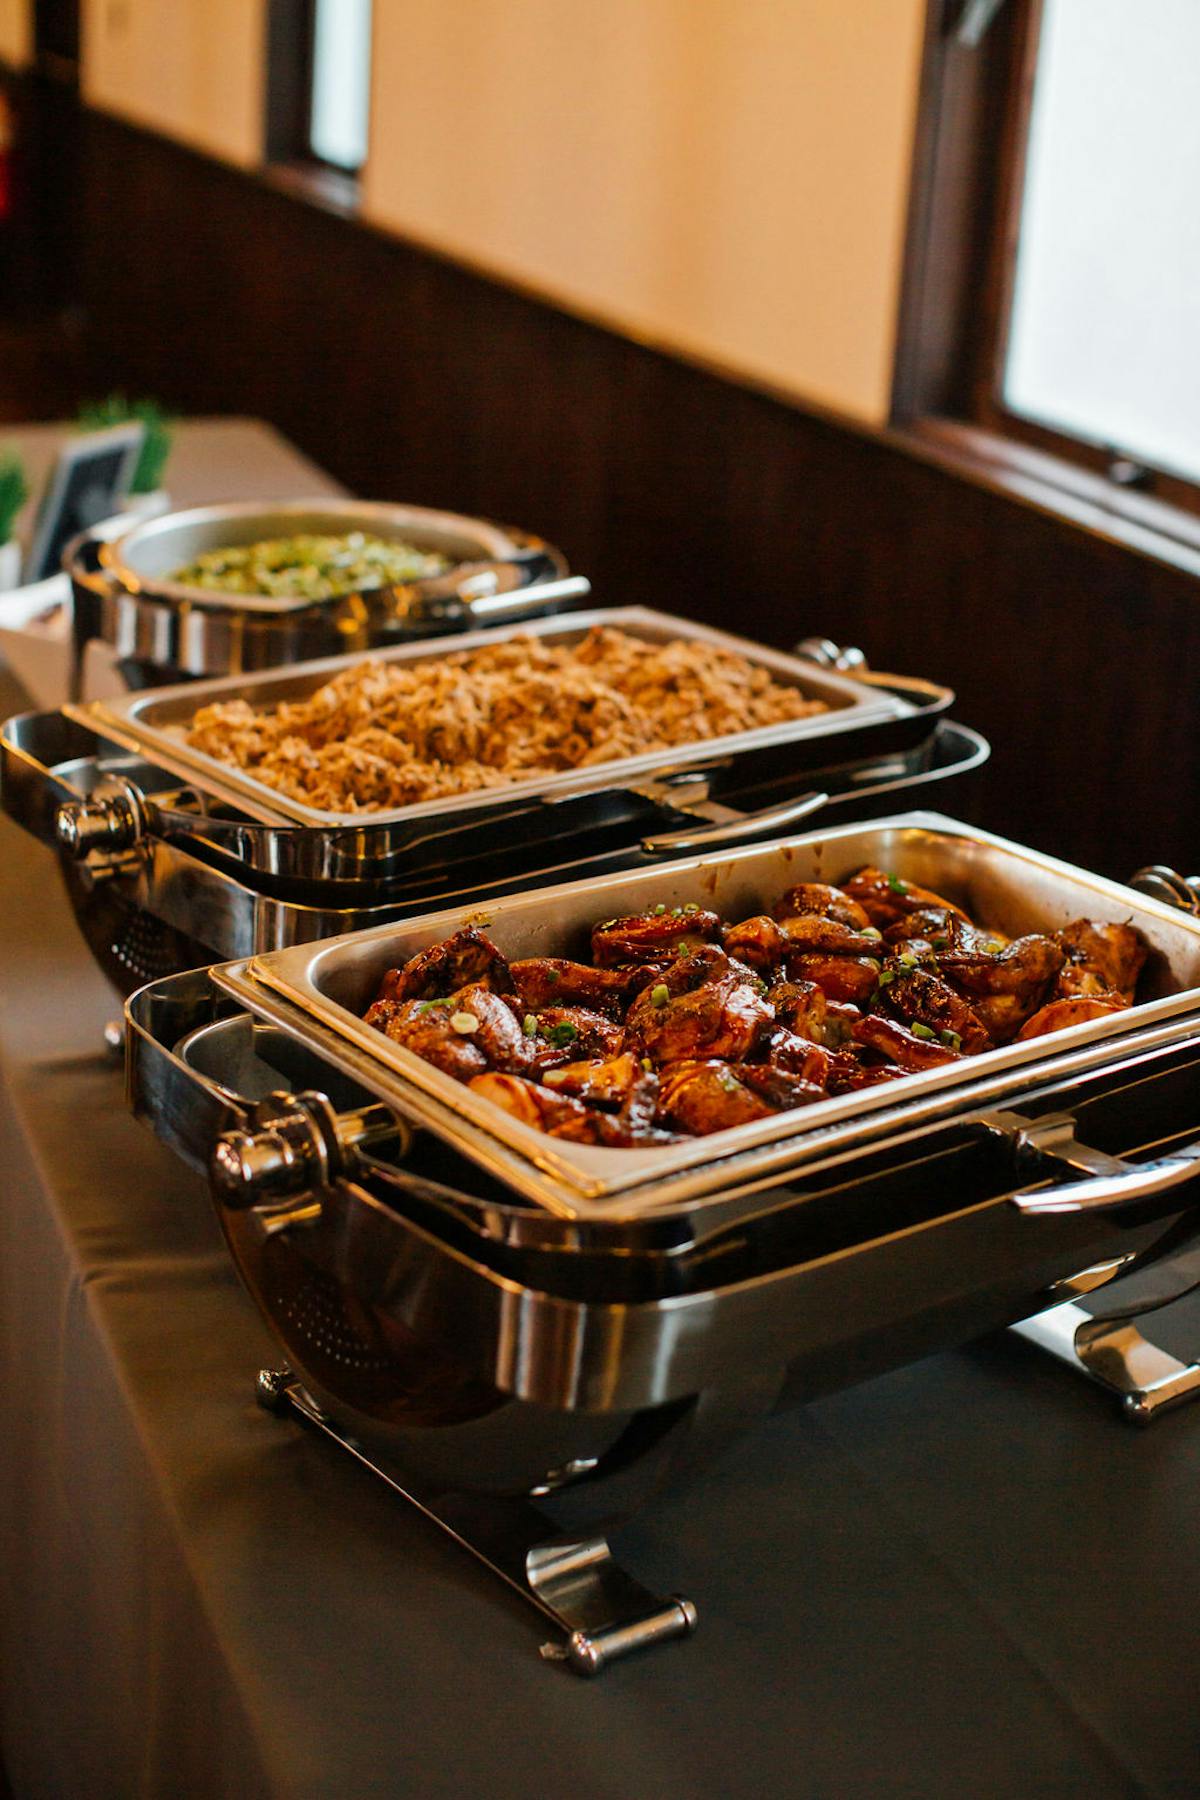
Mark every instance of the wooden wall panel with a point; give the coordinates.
(410, 378)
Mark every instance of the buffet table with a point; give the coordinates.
(968, 1577)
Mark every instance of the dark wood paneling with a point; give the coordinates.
(409, 377)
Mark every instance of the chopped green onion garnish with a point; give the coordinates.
(922, 1031)
(691, 907)
(464, 1023)
(561, 1034)
(661, 907)
(952, 1040)
(897, 886)
(886, 977)
(424, 1006)
(647, 1065)
(660, 995)
(871, 931)
(529, 1025)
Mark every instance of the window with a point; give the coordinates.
(318, 75)
(1053, 280)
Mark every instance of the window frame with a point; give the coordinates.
(960, 259)
(290, 65)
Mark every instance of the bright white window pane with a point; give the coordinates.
(341, 81)
(1105, 330)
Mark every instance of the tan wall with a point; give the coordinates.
(728, 177)
(16, 32)
(192, 69)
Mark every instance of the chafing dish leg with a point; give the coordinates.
(1115, 1355)
(602, 1612)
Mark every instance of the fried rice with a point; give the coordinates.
(384, 735)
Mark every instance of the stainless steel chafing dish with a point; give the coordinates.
(553, 1334)
(172, 859)
(125, 596)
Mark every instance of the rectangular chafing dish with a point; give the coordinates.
(156, 722)
(320, 991)
(472, 1323)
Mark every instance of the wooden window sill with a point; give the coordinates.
(330, 189)
(1132, 520)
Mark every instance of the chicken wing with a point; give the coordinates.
(707, 1096)
(466, 957)
(723, 1015)
(902, 1046)
(425, 1028)
(642, 937)
(1006, 989)
(886, 898)
(562, 1034)
(825, 902)
(849, 979)
(917, 995)
(555, 981)
(1100, 959)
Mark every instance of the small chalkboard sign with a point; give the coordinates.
(89, 482)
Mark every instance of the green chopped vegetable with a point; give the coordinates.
(886, 977)
(647, 1065)
(464, 1023)
(661, 907)
(872, 931)
(897, 886)
(907, 961)
(424, 1006)
(940, 943)
(951, 1039)
(922, 1031)
(562, 1034)
(691, 907)
(529, 1025)
(553, 975)
(660, 994)
(309, 566)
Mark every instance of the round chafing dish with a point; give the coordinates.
(162, 630)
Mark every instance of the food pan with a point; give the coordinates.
(156, 723)
(319, 993)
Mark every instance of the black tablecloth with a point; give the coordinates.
(967, 1578)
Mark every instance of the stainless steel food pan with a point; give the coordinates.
(319, 993)
(157, 722)
(143, 558)
(162, 630)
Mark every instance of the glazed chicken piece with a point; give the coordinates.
(1100, 959)
(885, 898)
(606, 1081)
(824, 902)
(1007, 989)
(802, 1007)
(849, 1073)
(764, 944)
(699, 1009)
(759, 942)
(851, 980)
(556, 1114)
(562, 1034)
(918, 995)
(934, 929)
(468, 956)
(649, 936)
(901, 1046)
(562, 1116)
(706, 1096)
(1075, 1009)
(555, 981)
(782, 1089)
(424, 1027)
(793, 1055)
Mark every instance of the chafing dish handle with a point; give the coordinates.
(732, 831)
(1109, 1184)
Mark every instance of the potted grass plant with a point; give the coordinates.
(146, 490)
(14, 491)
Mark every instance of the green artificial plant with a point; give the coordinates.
(14, 491)
(115, 409)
